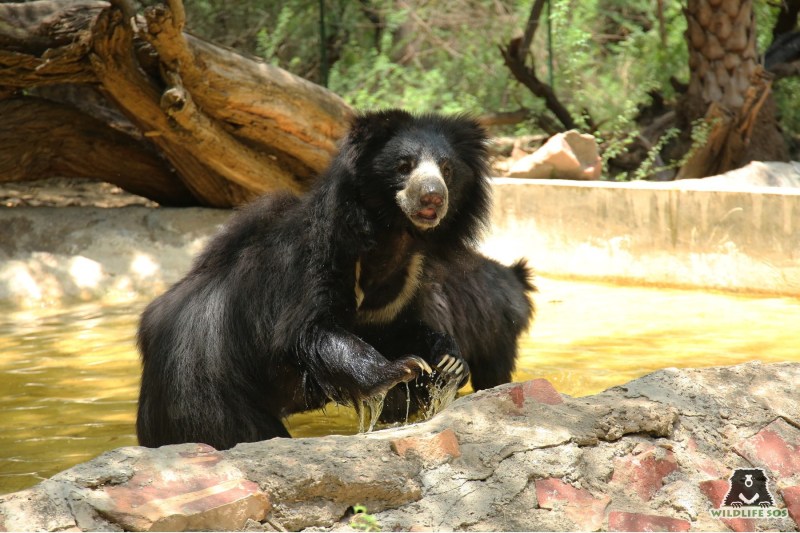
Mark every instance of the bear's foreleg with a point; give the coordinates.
(412, 336)
(349, 369)
(408, 335)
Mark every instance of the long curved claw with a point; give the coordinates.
(451, 365)
(446, 364)
(423, 365)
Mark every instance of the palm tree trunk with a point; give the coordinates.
(729, 89)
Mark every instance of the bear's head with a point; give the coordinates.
(427, 172)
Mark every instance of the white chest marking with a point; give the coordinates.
(388, 312)
(358, 290)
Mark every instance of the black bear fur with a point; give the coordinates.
(485, 306)
(269, 319)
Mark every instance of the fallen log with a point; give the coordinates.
(215, 128)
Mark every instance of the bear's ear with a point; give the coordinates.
(368, 132)
(370, 126)
(466, 131)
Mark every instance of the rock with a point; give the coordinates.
(538, 390)
(569, 155)
(579, 505)
(755, 174)
(791, 496)
(715, 491)
(776, 448)
(430, 449)
(619, 521)
(186, 487)
(41, 508)
(643, 473)
(654, 454)
(312, 482)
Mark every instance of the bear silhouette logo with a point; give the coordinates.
(748, 488)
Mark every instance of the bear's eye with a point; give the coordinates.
(405, 166)
(447, 170)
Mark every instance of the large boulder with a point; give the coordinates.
(569, 155)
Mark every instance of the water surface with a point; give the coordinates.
(69, 378)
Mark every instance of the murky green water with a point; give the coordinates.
(69, 379)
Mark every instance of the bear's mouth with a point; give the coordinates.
(429, 213)
(427, 217)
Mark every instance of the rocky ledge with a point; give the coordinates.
(653, 455)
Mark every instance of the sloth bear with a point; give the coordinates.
(275, 314)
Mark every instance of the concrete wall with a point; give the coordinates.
(745, 240)
(636, 233)
(54, 255)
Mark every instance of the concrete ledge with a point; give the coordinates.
(644, 233)
(55, 255)
(677, 234)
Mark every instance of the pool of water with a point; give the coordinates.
(69, 378)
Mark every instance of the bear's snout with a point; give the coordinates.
(424, 198)
(431, 199)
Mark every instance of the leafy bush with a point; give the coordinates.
(608, 56)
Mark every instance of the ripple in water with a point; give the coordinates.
(441, 393)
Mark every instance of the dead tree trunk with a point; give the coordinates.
(196, 124)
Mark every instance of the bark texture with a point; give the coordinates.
(729, 89)
(191, 123)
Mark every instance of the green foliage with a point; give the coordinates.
(435, 58)
(364, 521)
(648, 167)
(609, 56)
(786, 91)
(270, 40)
(700, 131)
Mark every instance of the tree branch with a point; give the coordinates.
(214, 146)
(505, 118)
(258, 101)
(52, 49)
(136, 96)
(531, 26)
(514, 59)
(232, 127)
(515, 56)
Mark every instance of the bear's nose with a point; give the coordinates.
(433, 199)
